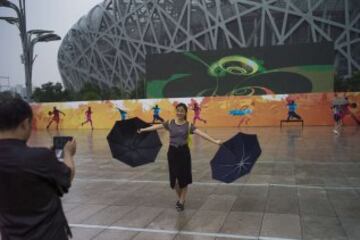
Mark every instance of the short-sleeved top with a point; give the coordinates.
(31, 183)
(292, 107)
(88, 113)
(56, 113)
(156, 110)
(178, 133)
(122, 113)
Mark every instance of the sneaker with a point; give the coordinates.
(335, 131)
(179, 207)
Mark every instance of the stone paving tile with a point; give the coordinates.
(170, 219)
(218, 203)
(206, 221)
(115, 235)
(243, 223)
(282, 200)
(139, 217)
(281, 225)
(108, 215)
(192, 237)
(83, 212)
(84, 234)
(351, 226)
(249, 204)
(322, 228)
(316, 170)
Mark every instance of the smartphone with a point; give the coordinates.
(59, 144)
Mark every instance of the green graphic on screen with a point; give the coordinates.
(242, 72)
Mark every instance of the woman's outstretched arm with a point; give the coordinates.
(151, 128)
(207, 137)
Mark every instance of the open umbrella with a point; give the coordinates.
(130, 147)
(235, 157)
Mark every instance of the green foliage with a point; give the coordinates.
(90, 92)
(354, 82)
(50, 92)
(351, 84)
(139, 91)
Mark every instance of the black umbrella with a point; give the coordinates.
(235, 157)
(130, 147)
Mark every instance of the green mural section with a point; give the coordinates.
(258, 71)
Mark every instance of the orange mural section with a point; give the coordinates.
(232, 111)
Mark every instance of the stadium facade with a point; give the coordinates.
(109, 45)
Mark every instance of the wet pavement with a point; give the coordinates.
(305, 185)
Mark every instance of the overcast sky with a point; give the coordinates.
(57, 15)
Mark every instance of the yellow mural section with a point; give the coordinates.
(266, 110)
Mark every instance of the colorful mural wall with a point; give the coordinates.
(231, 111)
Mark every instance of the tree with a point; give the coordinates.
(351, 84)
(50, 92)
(89, 92)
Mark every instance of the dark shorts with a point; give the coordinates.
(56, 119)
(337, 117)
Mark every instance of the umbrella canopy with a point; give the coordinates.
(235, 157)
(130, 147)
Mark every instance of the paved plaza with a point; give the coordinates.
(305, 185)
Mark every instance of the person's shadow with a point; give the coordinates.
(90, 142)
(293, 134)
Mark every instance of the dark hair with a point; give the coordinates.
(183, 105)
(13, 110)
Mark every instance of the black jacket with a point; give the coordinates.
(32, 181)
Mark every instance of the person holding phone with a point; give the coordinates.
(32, 180)
(59, 143)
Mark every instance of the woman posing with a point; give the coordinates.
(179, 158)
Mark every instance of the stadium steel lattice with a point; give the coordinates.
(108, 46)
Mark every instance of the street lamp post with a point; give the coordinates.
(6, 86)
(28, 39)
